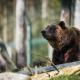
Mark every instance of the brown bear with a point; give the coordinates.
(65, 41)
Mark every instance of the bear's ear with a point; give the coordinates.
(62, 24)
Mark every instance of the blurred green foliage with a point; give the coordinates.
(38, 23)
(34, 11)
(39, 51)
(35, 14)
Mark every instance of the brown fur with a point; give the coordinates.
(65, 41)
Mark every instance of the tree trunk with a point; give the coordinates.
(20, 33)
(66, 11)
(44, 15)
(5, 23)
(77, 14)
(44, 8)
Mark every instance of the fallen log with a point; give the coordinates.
(47, 68)
(13, 76)
(24, 74)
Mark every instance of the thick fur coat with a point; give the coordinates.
(64, 40)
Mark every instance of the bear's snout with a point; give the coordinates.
(43, 33)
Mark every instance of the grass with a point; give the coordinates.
(67, 77)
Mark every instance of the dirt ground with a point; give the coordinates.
(46, 76)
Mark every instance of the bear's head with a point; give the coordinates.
(56, 35)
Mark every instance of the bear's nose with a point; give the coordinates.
(43, 31)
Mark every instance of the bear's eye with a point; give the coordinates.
(52, 29)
